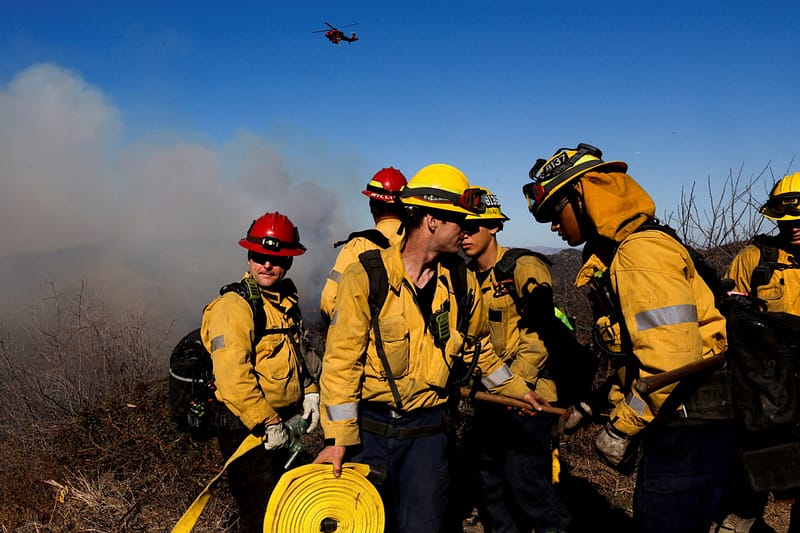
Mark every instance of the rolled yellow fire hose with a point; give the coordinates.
(308, 499)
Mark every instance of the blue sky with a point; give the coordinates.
(679, 90)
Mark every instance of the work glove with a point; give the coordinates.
(615, 449)
(311, 410)
(275, 436)
(576, 417)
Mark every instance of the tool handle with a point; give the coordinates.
(659, 381)
(499, 399)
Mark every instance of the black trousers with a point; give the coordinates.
(252, 478)
(516, 472)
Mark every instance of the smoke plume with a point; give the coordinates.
(147, 226)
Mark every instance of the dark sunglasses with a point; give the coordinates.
(274, 260)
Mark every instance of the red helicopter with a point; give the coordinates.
(336, 36)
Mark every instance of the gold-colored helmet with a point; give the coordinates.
(551, 176)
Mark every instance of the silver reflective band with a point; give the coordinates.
(334, 275)
(217, 343)
(635, 403)
(499, 376)
(187, 380)
(666, 316)
(343, 411)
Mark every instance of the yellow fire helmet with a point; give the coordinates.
(784, 199)
(550, 176)
(308, 499)
(492, 211)
(444, 188)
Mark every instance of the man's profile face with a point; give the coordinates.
(448, 233)
(565, 223)
(476, 239)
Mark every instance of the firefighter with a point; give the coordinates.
(653, 313)
(385, 382)
(516, 468)
(265, 385)
(780, 290)
(386, 211)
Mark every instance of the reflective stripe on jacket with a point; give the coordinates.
(782, 292)
(348, 255)
(352, 371)
(519, 347)
(254, 392)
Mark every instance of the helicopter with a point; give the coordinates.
(336, 36)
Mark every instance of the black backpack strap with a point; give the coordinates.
(504, 269)
(378, 291)
(767, 262)
(373, 235)
(248, 289)
(504, 274)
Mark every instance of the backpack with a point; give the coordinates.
(763, 347)
(379, 290)
(373, 235)
(570, 364)
(192, 404)
(768, 379)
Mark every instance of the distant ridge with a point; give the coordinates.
(546, 250)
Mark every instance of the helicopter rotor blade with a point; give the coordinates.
(330, 25)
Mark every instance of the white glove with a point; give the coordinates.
(614, 448)
(275, 436)
(311, 410)
(576, 416)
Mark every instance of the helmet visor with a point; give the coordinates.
(534, 193)
(784, 205)
(472, 200)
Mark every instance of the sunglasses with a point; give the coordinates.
(274, 260)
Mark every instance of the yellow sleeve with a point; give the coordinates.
(534, 289)
(660, 312)
(343, 363)
(227, 332)
(495, 374)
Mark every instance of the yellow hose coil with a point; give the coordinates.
(308, 499)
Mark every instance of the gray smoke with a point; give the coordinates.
(147, 226)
